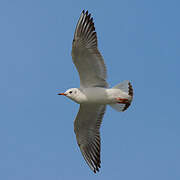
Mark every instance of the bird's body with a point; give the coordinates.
(98, 95)
(94, 93)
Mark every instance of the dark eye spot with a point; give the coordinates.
(70, 92)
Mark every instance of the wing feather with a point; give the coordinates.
(85, 54)
(87, 133)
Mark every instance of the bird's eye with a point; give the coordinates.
(70, 92)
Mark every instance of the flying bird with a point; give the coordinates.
(94, 93)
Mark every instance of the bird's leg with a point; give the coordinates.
(122, 100)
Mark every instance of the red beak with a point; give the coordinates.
(62, 94)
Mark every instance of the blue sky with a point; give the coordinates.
(139, 41)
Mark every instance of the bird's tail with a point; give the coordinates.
(126, 87)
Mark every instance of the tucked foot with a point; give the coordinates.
(122, 100)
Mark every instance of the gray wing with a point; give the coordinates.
(86, 128)
(85, 54)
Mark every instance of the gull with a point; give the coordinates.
(94, 93)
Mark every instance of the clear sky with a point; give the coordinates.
(139, 40)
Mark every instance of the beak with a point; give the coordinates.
(62, 94)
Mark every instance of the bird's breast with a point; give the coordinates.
(96, 95)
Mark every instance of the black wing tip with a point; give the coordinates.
(97, 165)
(85, 12)
(96, 170)
(88, 15)
(85, 29)
(92, 159)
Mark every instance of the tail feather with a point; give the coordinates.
(126, 87)
(130, 93)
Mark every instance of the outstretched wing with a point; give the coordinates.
(86, 127)
(85, 54)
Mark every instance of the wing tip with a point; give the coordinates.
(85, 28)
(85, 12)
(92, 161)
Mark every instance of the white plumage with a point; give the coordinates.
(93, 94)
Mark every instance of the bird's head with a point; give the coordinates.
(72, 93)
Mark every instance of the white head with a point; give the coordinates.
(73, 93)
